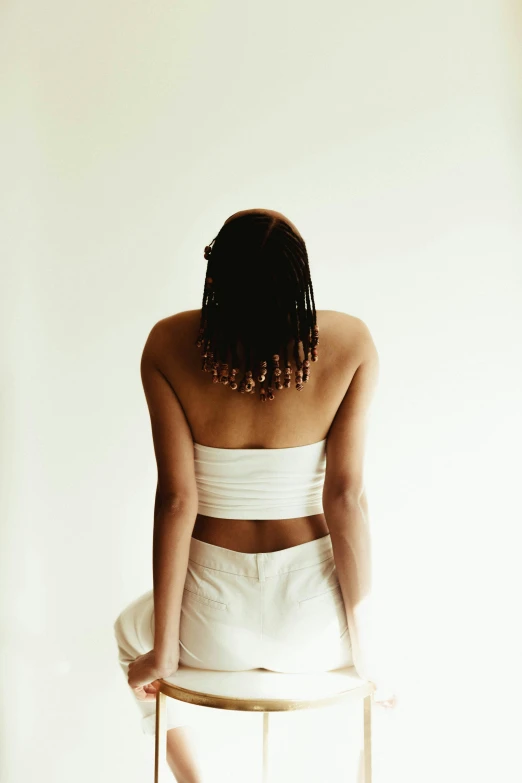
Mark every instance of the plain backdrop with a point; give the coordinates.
(390, 134)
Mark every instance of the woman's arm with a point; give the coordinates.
(344, 499)
(173, 525)
(347, 519)
(176, 503)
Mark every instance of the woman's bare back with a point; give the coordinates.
(222, 418)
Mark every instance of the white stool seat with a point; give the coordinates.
(262, 690)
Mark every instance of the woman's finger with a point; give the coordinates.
(143, 695)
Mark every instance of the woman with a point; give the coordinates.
(261, 547)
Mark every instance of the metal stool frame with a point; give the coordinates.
(266, 706)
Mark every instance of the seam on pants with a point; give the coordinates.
(260, 560)
(260, 566)
(248, 576)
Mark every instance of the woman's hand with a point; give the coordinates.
(384, 696)
(144, 673)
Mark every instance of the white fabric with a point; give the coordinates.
(282, 611)
(259, 684)
(260, 483)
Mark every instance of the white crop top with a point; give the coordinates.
(260, 483)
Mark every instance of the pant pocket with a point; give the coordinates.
(328, 596)
(191, 595)
(327, 605)
(206, 586)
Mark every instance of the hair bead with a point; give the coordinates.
(207, 367)
(223, 378)
(290, 252)
(306, 371)
(250, 382)
(315, 342)
(277, 372)
(262, 372)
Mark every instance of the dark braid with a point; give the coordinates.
(258, 295)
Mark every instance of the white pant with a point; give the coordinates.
(281, 611)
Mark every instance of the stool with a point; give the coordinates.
(260, 690)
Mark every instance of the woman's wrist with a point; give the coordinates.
(166, 661)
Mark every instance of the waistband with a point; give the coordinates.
(261, 564)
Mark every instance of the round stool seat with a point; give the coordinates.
(265, 691)
(261, 690)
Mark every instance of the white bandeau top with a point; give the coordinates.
(260, 483)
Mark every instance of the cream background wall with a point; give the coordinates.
(389, 133)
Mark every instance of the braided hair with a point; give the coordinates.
(258, 296)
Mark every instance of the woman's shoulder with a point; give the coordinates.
(339, 327)
(332, 316)
(351, 331)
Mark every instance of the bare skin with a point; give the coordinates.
(182, 756)
(222, 418)
(219, 417)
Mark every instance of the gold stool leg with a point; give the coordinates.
(367, 739)
(160, 756)
(265, 746)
